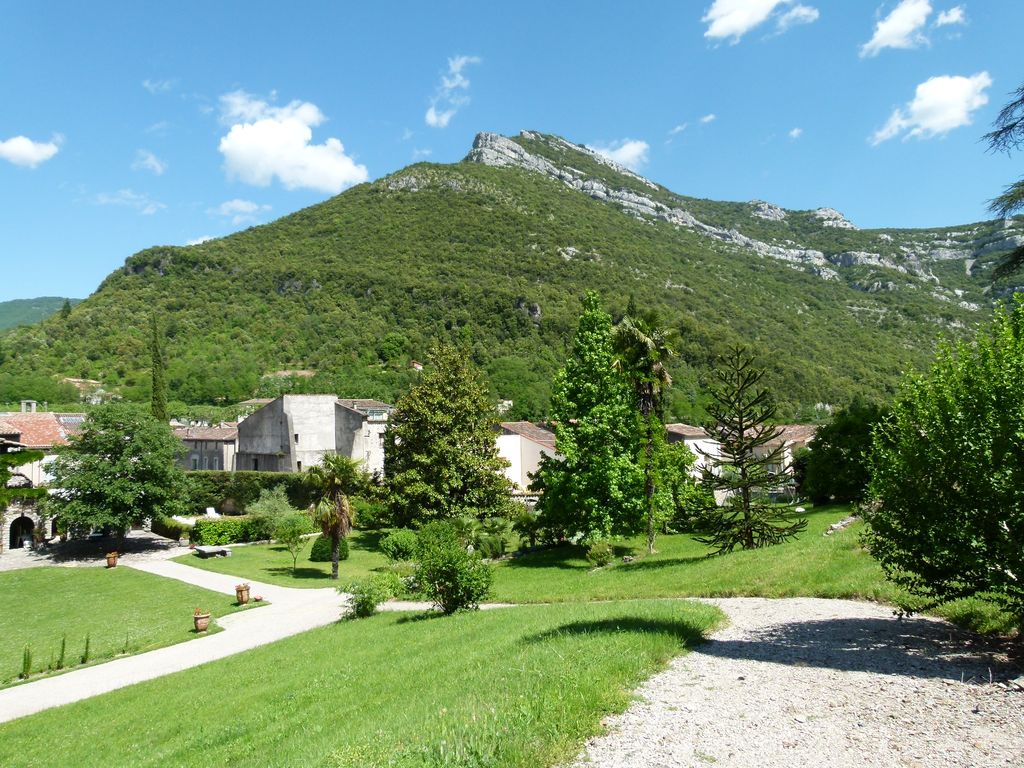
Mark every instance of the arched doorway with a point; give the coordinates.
(21, 529)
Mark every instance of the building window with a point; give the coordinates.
(195, 462)
(299, 465)
(296, 438)
(255, 465)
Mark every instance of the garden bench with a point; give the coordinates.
(213, 551)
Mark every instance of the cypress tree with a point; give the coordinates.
(158, 404)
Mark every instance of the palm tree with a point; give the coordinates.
(643, 349)
(332, 482)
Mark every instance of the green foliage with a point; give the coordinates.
(170, 528)
(158, 371)
(331, 482)
(26, 663)
(368, 593)
(1006, 136)
(370, 514)
(750, 463)
(680, 499)
(453, 578)
(836, 466)
(601, 553)
(399, 545)
(440, 458)
(595, 489)
(290, 532)
(24, 311)
(221, 530)
(264, 513)
(320, 552)
(235, 491)
(119, 470)
(8, 463)
(947, 466)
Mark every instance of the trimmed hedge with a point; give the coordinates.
(170, 528)
(234, 491)
(221, 530)
(320, 552)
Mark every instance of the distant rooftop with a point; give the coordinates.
(686, 431)
(533, 432)
(43, 429)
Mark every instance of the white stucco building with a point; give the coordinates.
(522, 444)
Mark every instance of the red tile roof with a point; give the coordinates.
(44, 430)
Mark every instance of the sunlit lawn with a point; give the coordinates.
(272, 564)
(119, 609)
(518, 686)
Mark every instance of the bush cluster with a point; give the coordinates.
(231, 529)
(367, 594)
(235, 491)
(170, 528)
(399, 545)
(601, 553)
(446, 573)
(320, 552)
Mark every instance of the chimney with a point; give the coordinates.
(28, 406)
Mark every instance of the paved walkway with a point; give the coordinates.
(290, 612)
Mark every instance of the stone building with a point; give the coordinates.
(522, 444)
(209, 447)
(294, 432)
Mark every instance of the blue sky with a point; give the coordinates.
(126, 125)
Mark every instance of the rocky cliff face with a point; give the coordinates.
(911, 258)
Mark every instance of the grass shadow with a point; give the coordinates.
(686, 633)
(557, 557)
(651, 564)
(299, 573)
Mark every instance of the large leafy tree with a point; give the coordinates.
(836, 466)
(750, 461)
(119, 470)
(947, 468)
(595, 487)
(332, 482)
(441, 460)
(643, 349)
(1007, 135)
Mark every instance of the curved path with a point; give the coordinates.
(290, 612)
(810, 682)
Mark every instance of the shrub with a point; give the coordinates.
(170, 528)
(220, 530)
(369, 515)
(367, 594)
(289, 532)
(600, 553)
(236, 491)
(399, 545)
(321, 550)
(446, 573)
(266, 511)
(490, 547)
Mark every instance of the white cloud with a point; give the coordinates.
(632, 153)
(419, 154)
(451, 94)
(22, 151)
(200, 240)
(709, 118)
(900, 29)
(130, 199)
(796, 133)
(265, 141)
(678, 129)
(157, 86)
(734, 18)
(955, 15)
(940, 104)
(798, 14)
(239, 211)
(159, 129)
(147, 161)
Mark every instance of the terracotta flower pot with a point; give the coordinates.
(111, 559)
(242, 594)
(202, 621)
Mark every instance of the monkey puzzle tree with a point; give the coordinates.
(749, 464)
(1006, 136)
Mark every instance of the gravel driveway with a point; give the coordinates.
(810, 682)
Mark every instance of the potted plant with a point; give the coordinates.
(242, 593)
(201, 620)
(111, 559)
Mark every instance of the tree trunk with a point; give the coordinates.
(335, 554)
(646, 408)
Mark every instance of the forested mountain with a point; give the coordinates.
(495, 253)
(25, 311)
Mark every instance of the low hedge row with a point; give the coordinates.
(231, 529)
(170, 528)
(233, 492)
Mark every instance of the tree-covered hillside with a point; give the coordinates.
(343, 295)
(25, 311)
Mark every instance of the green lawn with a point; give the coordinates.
(514, 687)
(811, 565)
(271, 563)
(121, 611)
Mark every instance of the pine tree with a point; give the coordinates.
(65, 310)
(441, 460)
(750, 463)
(596, 488)
(158, 406)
